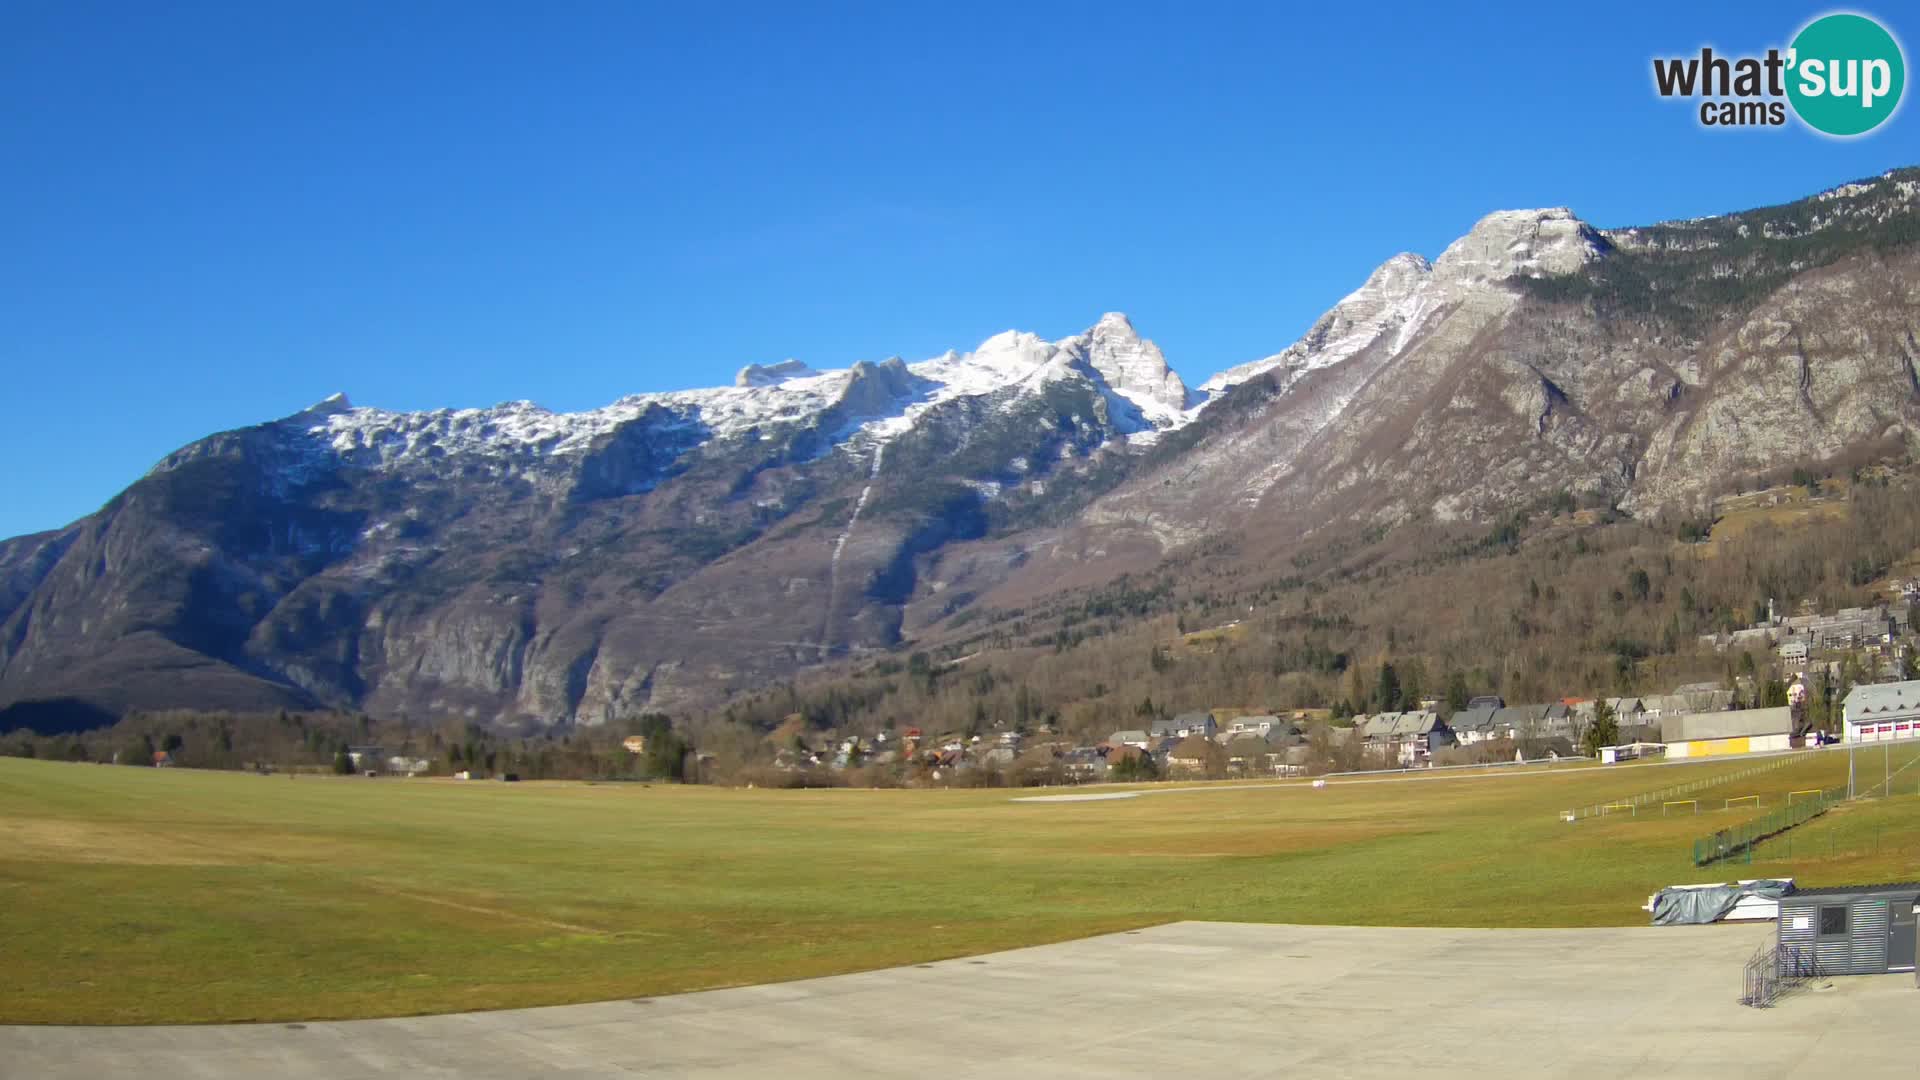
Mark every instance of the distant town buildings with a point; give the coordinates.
(1848, 628)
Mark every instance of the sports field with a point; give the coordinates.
(148, 896)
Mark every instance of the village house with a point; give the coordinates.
(1193, 756)
(1199, 723)
(1471, 726)
(1664, 707)
(1417, 735)
(1249, 754)
(1134, 738)
(1516, 721)
(1628, 711)
(1162, 749)
(1294, 760)
(1549, 749)
(1083, 763)
(1704, 696)
(1255, 725)
(1407, 737)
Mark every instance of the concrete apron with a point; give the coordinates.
(1198, 999)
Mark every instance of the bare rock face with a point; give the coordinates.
(1513, 243)
(1134, 368)
(521, 567)
(1532, 357)
(1392, 300)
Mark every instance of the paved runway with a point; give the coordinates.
(1192, 999)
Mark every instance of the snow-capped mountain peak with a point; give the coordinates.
(1132, 368)
(869, 400)
(880, 401)
(1401, 292)
(1392, 299)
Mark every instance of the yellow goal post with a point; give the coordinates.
(1803, 791)
(1693, 804)
(1754, 799)
(1612, 806)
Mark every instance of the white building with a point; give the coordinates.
(1882, 711)
(1747, 731)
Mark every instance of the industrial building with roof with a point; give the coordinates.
(1746, 731)
(1882, 711)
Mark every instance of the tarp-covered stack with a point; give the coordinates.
(1683, 905)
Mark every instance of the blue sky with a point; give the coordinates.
(214, 215)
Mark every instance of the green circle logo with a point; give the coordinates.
(1846, 74)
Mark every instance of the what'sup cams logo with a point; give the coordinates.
(1843, 76)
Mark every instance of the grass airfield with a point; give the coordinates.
(176, 896)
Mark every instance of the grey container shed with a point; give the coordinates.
(1849, 930)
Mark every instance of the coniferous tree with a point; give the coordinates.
(1386, 695)
(1603, 731)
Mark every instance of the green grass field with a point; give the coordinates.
(144, 896)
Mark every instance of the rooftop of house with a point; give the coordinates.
(1557, 745)
(1193, 748)
(1416, 722)
(1480, 719)
(1516, 716)
(1877, 698)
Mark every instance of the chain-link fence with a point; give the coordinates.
(1631, 804)
(1740, 840)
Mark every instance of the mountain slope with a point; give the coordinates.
(513, 564)
(518, 566)
(1653, 366)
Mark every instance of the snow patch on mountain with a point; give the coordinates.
(872, 404)
(875, 402)
(1400, 295)
(772, 374)
(1394, 299)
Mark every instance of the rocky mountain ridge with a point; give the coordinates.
(523, 567)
